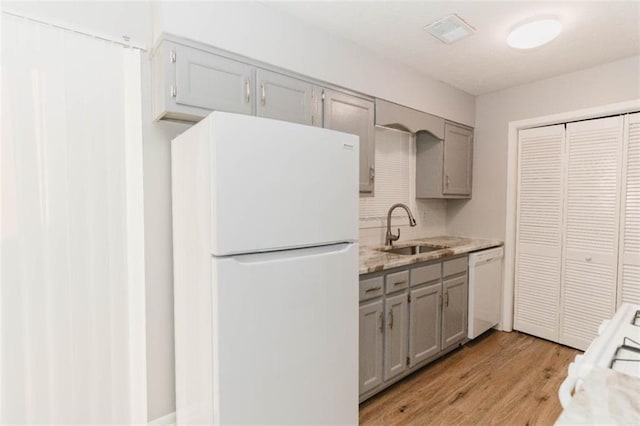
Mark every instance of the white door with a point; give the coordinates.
(539, 231)
(629, 258)
(591, 217)
(285, 337)
(267, 184)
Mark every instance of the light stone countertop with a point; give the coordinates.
(373, 260)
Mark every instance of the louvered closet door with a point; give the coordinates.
(539, 225)
(629, 275)
(592, 224)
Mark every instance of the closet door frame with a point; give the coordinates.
(512, 176)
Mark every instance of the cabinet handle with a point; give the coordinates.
(263, 94)
(372, 173)
(448, 181)
(400, 283)
(381, 322)
(390, 319)
(372, 289)
(446, 299)
(247, 87)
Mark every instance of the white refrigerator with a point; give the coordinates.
(265, 230)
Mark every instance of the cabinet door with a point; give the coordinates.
(285, 98)
(371, 349)
(592, 202)
(354, 115)
(208, 82)
(454, 311)
(395, 343)
(458, 160)
(424, 323)
(629, 258)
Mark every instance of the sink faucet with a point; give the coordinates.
(390, 237)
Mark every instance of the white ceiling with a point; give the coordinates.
(594, 32)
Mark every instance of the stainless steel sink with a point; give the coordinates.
(412, 250)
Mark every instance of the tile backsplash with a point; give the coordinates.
(395, 183)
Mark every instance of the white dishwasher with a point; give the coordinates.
(485, 290)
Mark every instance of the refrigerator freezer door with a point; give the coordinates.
(284, 341)
(267, 184)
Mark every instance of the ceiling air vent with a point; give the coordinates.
(450, 29)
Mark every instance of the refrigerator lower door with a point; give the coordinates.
(285, 337)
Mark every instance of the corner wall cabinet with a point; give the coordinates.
(444, 168)
(351, 114)
(577, 242)
(409, 317)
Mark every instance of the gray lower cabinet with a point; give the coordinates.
(424, 323)
(395, 343)
(454, 310)
(286, 98)
(371, 345)
(410, 316)
(351, 114)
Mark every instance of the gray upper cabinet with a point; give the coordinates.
(454, 310)
(371, 348)
(351, 114)
(458, 160)
(195, 82)
(444, 168)
(286, 98)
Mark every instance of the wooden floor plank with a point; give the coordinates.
(498, 379)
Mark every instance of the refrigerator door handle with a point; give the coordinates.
(285, 255)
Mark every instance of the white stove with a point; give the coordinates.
(617, 347)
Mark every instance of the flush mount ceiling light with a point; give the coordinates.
(450, 29)
(534, 33)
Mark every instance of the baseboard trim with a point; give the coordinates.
(168, 420)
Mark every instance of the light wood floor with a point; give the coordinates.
(500, 379)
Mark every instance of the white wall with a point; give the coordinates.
(484, 215)
(257, 31)
(264, 33)
(108, 18)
